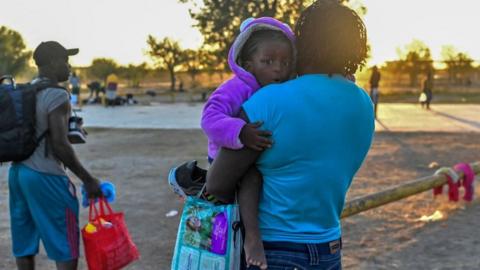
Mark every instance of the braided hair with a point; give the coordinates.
(331, 39)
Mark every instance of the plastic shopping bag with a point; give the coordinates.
(208, 237)
(108, 245)
(422, 97)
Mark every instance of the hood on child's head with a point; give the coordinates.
(246, 29)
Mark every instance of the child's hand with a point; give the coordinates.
(254, 138)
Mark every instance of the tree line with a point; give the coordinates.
(415, 59)
(219, 22)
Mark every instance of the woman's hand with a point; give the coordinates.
(252, 137)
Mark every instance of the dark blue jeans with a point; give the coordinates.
(293, 256)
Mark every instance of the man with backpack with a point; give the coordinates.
(43, 202)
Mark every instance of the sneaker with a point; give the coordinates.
(76, 134)
(188, 179)
(76, 137)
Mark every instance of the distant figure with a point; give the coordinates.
(180, 87)
(150, 93)
(74, 82)
(111, 89)
(427, 92)
(130, 100)
(94, 87)
(374, 82)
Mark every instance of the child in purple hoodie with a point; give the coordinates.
(250, 59)
(263, 53)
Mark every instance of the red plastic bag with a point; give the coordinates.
(108, 245)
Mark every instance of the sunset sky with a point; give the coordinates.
(118, 29)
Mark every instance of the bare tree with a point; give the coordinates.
(167, 54)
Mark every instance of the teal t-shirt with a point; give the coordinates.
(322, 130)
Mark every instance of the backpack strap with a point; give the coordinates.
(40, 86)
(40, 138)
(44, 84)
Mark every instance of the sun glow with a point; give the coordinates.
(118, 29)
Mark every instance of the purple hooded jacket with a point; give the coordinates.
(220, 120)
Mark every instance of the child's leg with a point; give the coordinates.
(248, 197)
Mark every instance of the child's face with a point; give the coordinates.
(271, 63)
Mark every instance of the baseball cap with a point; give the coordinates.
(49, 50)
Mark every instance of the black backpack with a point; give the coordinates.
(18, 139)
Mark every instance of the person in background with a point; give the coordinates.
(374, 92)
(111, 86)
(180, 87)
(428, 90)
(74, 83)
(94, 87)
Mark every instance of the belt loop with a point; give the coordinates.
(313, 254)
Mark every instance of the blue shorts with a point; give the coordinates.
(43, 207)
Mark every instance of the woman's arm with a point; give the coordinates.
(228, 168)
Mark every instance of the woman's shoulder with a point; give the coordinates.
(268, 92)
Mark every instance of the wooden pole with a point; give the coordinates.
(396, 193)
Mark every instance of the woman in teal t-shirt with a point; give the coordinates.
(322, 126)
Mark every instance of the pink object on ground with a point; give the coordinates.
(453, 189)
(467, 181)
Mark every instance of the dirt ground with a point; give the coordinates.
(389, 237)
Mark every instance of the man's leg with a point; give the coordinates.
(25, 237)
(248, 196)
(70, 265)
(26, 263)
(54, 209)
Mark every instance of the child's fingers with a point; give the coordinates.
(263, 146)
(256, 147)
(264, 141)
(264, 133)
(256, 124)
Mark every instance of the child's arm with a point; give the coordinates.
(219, 124)
(231, 132)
